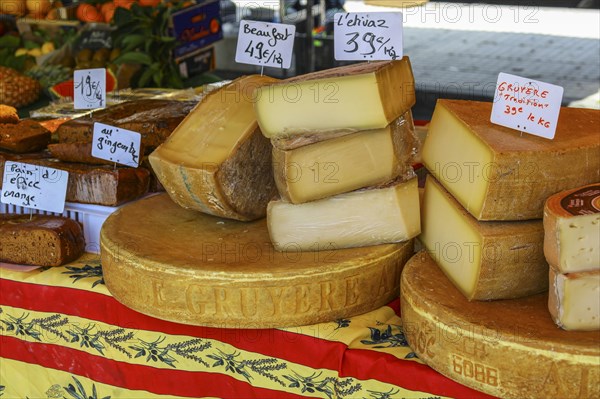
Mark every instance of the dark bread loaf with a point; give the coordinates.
(40, 240)
(79, 153)
(24, 136)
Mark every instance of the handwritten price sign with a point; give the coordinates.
(89, 88)
(115, 144)
(265, 44)
(365, 36)
(527, 105)
(33, 186)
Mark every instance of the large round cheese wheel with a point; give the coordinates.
(509, 348)
(189, 267)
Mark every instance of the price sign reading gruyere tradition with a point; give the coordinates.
(34, 186)
(363, 36)
(527, 105)
(265, 44)
(116, 144)
(89, 88)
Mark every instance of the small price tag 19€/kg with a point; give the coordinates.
(34, 186)
(527, 105)
(265, 44)
(116, 144)
(363, 36)
(89, 88)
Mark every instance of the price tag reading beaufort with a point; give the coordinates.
(363, 36)
(527, 105)
(116, 145)
(265, 44)
(33, 186)
(89, 88)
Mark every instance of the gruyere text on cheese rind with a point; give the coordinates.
(356, 219)
(217, 161)
(484, 260)
(344, 164)
(497, 173)
(347, 99)
(574, 300)
(572, 229)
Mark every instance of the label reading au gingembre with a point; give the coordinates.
(115, 144)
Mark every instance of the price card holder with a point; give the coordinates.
(115, 144)
(363, 36)
(527, 105)
(34, 186)
(89, 88)
(265, 44)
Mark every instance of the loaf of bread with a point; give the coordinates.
(24, 136)
(79, 153)
(40, 240)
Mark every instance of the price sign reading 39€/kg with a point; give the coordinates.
(89, 88)
(363, 36)
(527, 105)
(116, 144)
(265, 44)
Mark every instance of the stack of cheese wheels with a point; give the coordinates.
(572, 249)
(343, 141)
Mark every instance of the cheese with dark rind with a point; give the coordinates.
(497, 173)
(217, 161)
(192, 268)
(509, 349)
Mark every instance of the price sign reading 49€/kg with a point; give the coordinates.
(363, 36)
(527, 105)
(265, 44)
(89, 88)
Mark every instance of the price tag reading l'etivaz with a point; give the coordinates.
(116, 144)
(265, 44)
(89, 88)
(527, 105)
(368, 36)
(34, 186)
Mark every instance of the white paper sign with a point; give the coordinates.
(89, 88)
(368, 36)
(33, 186)
(527, 105)
(116, 144)
(265, 44)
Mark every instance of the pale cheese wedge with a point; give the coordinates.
(574, 300)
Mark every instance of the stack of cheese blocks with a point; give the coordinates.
(343, 141)
(572, 249)
(484, 198)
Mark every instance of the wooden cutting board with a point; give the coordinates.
(510, 348)
(189, 267)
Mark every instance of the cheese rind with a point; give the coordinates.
(484, 260)
(345, 99)
(344, 164)
(498, 174)
(217, 161)
(572, 229)
(574, 300)
(357, 219)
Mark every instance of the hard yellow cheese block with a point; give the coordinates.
(572, 229)
(508, 349)
(351, 98)
(484, 260)
(345, 163)
(217, 161)
(360, 218)
(574, 300)
(497, 173)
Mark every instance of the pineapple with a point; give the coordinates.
(16, 89)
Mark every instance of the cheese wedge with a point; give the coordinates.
(344, 164)
(574, 300)
(484, 260)
(498, 173)
(217, 161)
(348, 99)
(572, 229)
(365, 217)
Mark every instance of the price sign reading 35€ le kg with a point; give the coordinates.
(265, 44)
(34, 186)
(89, 88)
(116, 144)
(363, 36)
(527, 105)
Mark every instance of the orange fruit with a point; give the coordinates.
(149, 3)
(40, 7)
(124, 3)
(107, 11)
(88, 13)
